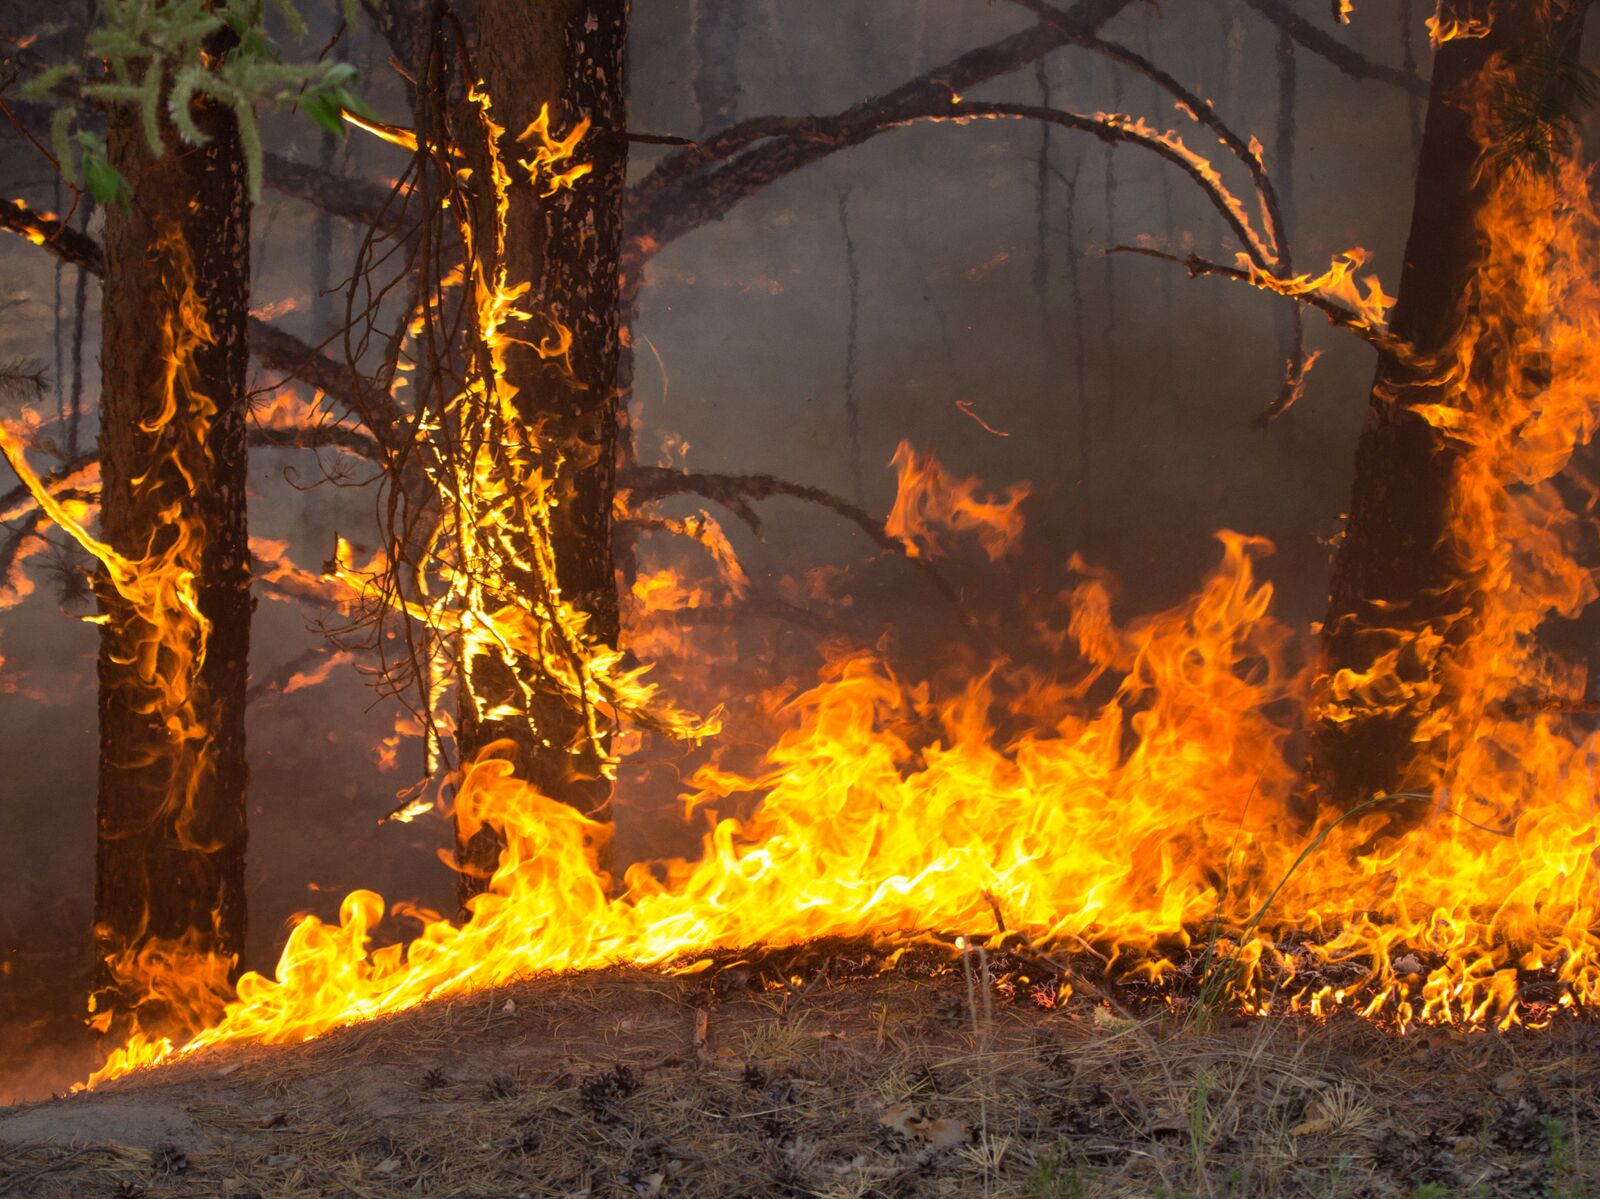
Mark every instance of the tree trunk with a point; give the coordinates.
(1401, 600)
(169, 883)
(567, 54)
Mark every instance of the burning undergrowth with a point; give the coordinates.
(1142, 800)
(1129, 790)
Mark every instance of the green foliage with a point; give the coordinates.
(1054, 1178)
(163, 55)
(1534, 114)
(104, 182)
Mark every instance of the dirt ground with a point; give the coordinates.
(908, 1084)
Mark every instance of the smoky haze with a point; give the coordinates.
(989, 329)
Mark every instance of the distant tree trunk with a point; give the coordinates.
(169, 883)
(1397, 581)
(568, 54)
(324, 304)
(717, 28)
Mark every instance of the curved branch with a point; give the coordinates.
(737, 492)
(659, 214)
(1199, 108)
(1322, 44)
(1113, 129)
(1338, 315)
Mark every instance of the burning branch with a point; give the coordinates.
(1338, 315)
(1194, 105)
(274, 348)
(738, 492)
(1116, 129)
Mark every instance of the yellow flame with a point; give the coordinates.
(1137, 798)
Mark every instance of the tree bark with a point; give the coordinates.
(568, 54)
(169, 884)
(1399, 587)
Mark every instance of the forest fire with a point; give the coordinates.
(1141, 802)
(1187, 810)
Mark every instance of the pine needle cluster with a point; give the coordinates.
(163, 55)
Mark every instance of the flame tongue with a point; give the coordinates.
(1133, 821)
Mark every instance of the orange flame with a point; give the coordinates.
(1137, 812)
(159, 621)
(930, 504)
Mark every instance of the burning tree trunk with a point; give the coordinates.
(566, 55)
(1403, 599)
(169, 889)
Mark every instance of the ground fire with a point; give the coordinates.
(1158, 808)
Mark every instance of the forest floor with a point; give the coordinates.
(895, 1086)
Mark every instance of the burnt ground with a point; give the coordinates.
(905, 1084)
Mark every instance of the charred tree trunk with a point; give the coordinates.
(1400, 599)
(169, 883)
(567, 54)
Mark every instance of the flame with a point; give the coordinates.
(1442, 29)
(497, 595)
(157, 621)
(406, 139)
(1137, 797)
(929, 504)
(1363, 296)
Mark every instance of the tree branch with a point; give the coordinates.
(274, 348)
(675, 198)
(18, 502)
(356, 200)
(738, 492)
(328, 436)
(1338, 315)
(1199, 108)
(1347, 60)
(1113, 129)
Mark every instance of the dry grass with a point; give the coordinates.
(916, 1083)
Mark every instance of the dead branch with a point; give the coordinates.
(1115, 130)
(1338, 315)
(61, 239)
(302, 663)
(677, 198)
(16, 538)
(356, 200)
(738, 492)
(1199, 108)
(329, 436)
(1351, 62)
(18, 502)
(274, 348)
